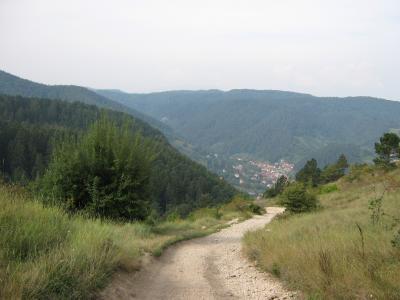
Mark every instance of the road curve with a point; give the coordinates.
(211, 267)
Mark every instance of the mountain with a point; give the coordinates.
(270, 125)
(16, 86)
(29, 127)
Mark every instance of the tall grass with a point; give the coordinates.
(46, 254)
(337, 252)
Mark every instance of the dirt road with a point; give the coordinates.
(211, 267)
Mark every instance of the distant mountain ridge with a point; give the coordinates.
(270, 124)
(15, 86)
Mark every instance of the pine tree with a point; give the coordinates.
(310, 173)
(387, 149)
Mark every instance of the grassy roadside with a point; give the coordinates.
(46, 254)
(337, 252)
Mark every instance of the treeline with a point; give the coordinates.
(31, 128)
(25, 149)
(270, 125)
(298, 196)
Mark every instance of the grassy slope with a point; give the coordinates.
(322, 254)
(46, 254)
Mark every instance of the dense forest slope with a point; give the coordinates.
(16, 86)
(29, 126)
(270, 125)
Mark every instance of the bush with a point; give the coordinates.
(357, 171)
(242, 205)
(396, 240)
(328, 188)
(105, 173)
(255, 209)
(296, 198)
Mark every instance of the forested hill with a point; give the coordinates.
(271, 125)
(29, 126)
(16, 86)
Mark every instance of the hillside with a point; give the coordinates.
(347, 249)
(270, 125)
(29, 127)
(16, 86)
(49, 254)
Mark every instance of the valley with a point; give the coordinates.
(199, 150)
(123, 182)
(247, 174)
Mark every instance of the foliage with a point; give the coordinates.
(47, 254)
(277, 188)
(358, 171)
(296, 198)
(309, 174)
(325, 255)
(15, 86)
(30, 127)
(327, 188)
(105, 173)
(387, 149)
(247, 121)
(396, 240)
(335, 171)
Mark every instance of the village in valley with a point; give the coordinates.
(248, 174)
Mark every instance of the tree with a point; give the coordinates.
(335, 171)
(278, 187)
(387, 149)
(105, 173)
(310, 173)
(297, 199)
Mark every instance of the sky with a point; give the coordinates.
(326, 48)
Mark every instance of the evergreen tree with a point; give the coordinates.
(310, 173)
(277, 188)
(335, 171)
(387, 149)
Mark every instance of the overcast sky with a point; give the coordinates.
(330, 47)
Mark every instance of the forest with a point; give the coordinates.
(271, 125)
(31, 128)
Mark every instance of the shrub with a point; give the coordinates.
(296, 198)
(357, 171)
(255, 209)
(105, 173)
(396, 240)
(242, 205)
(328, 188)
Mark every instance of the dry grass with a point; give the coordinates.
(337, 252)
(46, 254)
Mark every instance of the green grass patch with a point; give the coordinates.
(328, 188)
(337, 252)
(47, 254)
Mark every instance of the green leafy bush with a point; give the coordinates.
(296, 198)
(328, 188)
(105, 173)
